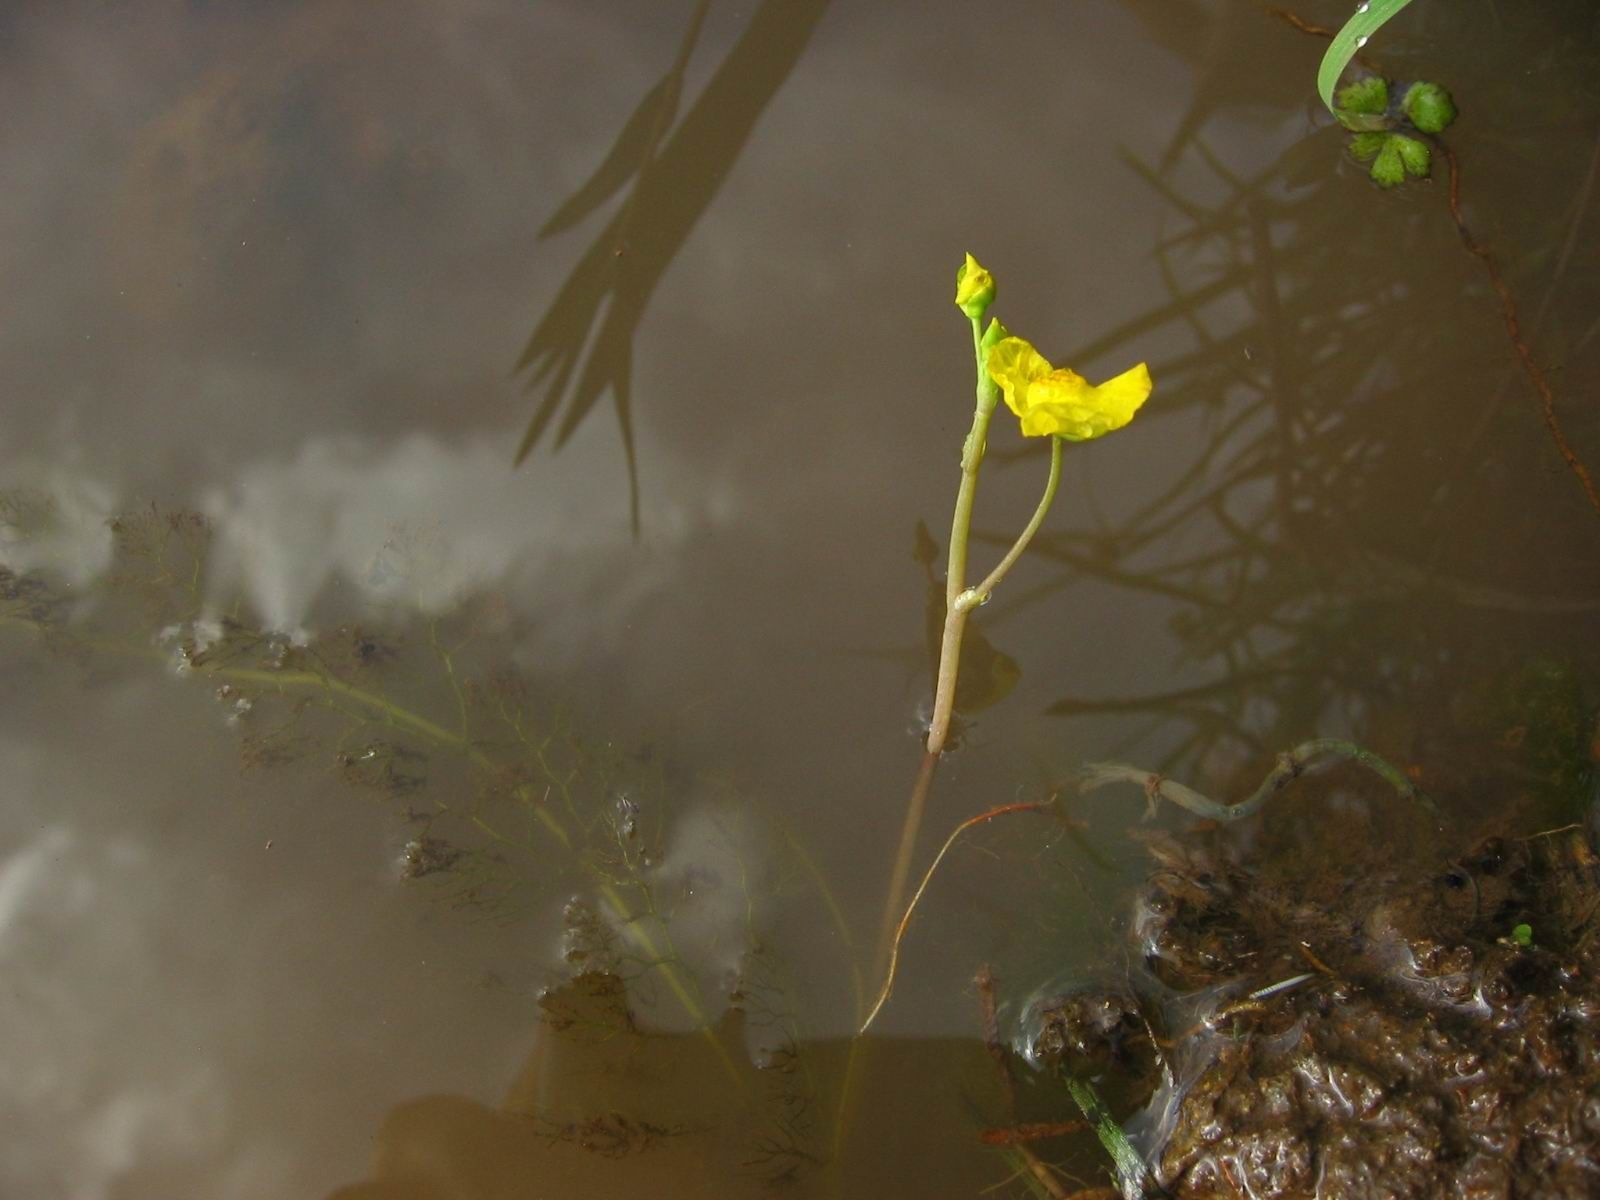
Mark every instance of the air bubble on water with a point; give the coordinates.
(627, 816)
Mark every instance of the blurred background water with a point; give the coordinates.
(288, 267)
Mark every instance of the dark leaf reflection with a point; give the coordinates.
(1335, 556)
(575, 354)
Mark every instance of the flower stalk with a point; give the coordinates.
(1048, 402)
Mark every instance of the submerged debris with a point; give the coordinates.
(1352, 1027)
(427, 855)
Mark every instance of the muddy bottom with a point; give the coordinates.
(1335, 1004)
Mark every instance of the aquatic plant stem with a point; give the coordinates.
(901, 870)
(905, 920)
(986, 399)
(960, 600)
(972, 450)
(955, 622)
(1289, 767)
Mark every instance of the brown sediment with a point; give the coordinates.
(1015, 1137)
(1436, 1048)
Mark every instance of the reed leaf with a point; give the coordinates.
(1368, 19)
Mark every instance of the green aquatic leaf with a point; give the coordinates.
(1428, 106)
(1363, 106)
(1369, 95)
(1388, 168)
(1364, 147)
(1371, 16)
(1394, 156)
(1414, 154)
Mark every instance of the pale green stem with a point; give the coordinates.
(988, 395)
(967, 599)
(987, 398)
(975, 596)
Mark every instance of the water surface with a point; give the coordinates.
(278, 265)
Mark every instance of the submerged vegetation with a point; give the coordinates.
(500, 796)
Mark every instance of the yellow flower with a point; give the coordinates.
(974, 288)
(1056, 401)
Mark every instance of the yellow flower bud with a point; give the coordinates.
(974, 289)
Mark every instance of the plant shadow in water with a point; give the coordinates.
(582, 347)
(1337, 554)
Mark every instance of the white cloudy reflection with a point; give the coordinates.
(422, 525)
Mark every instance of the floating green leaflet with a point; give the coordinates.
(1397, 156)
(1369, 17)
(1362, 102)
(1377, 125)
(1428, 106)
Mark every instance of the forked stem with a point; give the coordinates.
(967, 599)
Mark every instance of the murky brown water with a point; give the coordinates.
(277, 265)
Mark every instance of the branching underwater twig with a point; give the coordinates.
(1290, 766)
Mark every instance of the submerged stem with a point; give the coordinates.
(902, 857)
(1290, 766)
(927, 877)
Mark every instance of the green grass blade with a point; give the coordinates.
(1368, 19)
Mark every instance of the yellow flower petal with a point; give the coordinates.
(1064, 404)
(1060, 402)
(1014, 364)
